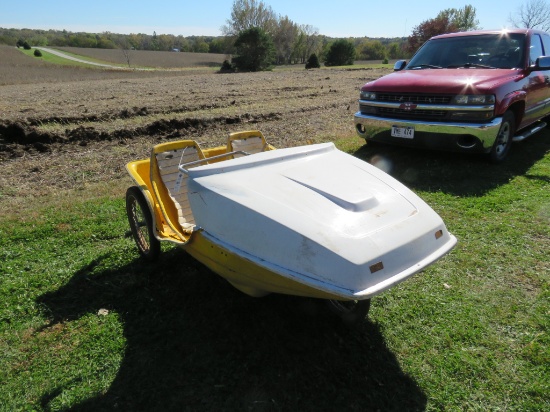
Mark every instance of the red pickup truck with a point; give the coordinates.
(474, 91)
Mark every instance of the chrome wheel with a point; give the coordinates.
(502, 144)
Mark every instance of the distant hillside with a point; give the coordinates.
(18, 68)
(146, 58)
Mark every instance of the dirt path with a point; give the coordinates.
(76, 59)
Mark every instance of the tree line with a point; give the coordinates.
(289, 42)
(293, 50)
(108, 40)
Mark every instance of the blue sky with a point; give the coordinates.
(335, 18)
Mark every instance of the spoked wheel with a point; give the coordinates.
(351, 312)
(502, 145)
(141, 224)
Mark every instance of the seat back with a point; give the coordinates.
(252, 141)
(165, 160)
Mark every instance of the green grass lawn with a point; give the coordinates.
(86, 325)
(54, 59)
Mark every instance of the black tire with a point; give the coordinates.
(503, 142)
(141, 224)
(372, 143)
(350, 312)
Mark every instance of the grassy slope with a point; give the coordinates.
(85, 324)
(147, 58)
(18, 66)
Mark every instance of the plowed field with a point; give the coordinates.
(83, 125)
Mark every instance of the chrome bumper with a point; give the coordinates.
(458, 136)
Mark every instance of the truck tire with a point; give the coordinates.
(503, 142)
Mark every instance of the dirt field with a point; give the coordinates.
(62, 131)
(147, 58)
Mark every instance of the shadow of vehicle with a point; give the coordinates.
(195, 343)
(455, 173)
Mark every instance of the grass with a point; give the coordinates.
(86, 325)
(55, 59)
(142, 60)
(155, 60)
(148, 58)
(52, 58)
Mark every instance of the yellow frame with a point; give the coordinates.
(242, 273)
(145, 173)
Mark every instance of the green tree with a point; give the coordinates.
(154, 42)
(313, 62)
(427, 29)
(447, 21)
(104, 41)
(182, 43)
(227, 67)
(165, 42)
(340, 53)
(371, 50)
(201, 46)
(394, 50)
(216, 46)
(254, 50)
(463, 19)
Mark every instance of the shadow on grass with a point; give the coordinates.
(455, 173)
(195, 343)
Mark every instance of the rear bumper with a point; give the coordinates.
(465, 137)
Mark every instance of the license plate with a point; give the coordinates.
(403, 132)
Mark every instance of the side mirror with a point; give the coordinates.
(399, 65)
(542, 63)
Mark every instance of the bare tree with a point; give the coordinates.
(246, 14)
(126, 53)
(312, 40)
(126, 47)
(534, 14)
(306, 43)
(284, 37)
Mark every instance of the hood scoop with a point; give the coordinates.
(356, 200)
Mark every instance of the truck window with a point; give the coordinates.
(546, 44)
(503, 51)
(535, 50)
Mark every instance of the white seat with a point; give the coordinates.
(250, 142)
(168, 163)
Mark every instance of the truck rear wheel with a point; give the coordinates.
(503, 142)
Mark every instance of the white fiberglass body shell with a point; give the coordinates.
(318, 216)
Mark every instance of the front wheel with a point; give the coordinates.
(141, 224)
(503, 142)
(350, 312)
